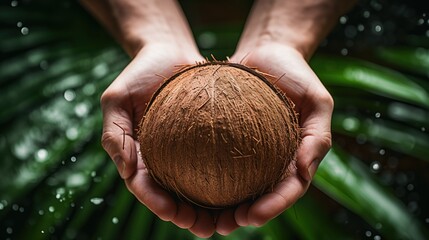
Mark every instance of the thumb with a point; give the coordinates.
(311, 152)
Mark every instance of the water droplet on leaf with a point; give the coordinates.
(96, 201)
(69, 95)
(25, 30)
(368, 233)
(41, 155)
(72, 133)
(375, 166)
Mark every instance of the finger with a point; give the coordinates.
(151, 194)
(117, 138)
(272, 204)
(204, 226)
(316, 135)
(310, 154)
(185, 216)
(226, 222)
(240, 214)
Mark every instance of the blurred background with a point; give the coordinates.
(56, 182)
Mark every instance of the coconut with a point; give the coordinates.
(218, 134)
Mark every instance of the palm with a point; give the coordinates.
(294, 77)
(124, 103)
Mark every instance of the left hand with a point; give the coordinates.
(314, 106)
(123, 104)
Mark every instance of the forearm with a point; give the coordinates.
(137, 23)
(301, 24)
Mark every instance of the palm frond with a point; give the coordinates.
(57, 182)
(347, 180)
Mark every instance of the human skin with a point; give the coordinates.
(279, 39)
(157, 37)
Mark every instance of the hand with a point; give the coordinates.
(301, 25)
(123, 104)
(314, 105)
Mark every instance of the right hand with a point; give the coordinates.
(314, 106)
(123, 104)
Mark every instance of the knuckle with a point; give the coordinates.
(107, 140)
(105, 97)
(327, 140)
(327, 100)
(109, 96)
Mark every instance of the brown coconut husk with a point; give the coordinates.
(218, 134)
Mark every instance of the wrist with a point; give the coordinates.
(135, 40)
(167, 52)
(300, 25)
(137, 23)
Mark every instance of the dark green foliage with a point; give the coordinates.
(56, 182)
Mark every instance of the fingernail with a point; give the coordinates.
(313, 168)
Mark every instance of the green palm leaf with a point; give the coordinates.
(358, 74)
(387, 134)
(415, 59)
(57, 182)
(347, 180)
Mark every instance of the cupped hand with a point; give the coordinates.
(290, 72)
(123, 104)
